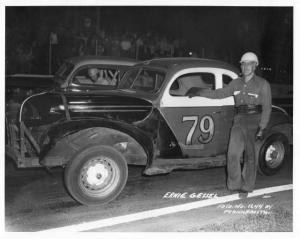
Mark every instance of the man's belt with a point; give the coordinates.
(248, 109)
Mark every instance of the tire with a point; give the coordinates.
(96, 175)
(272, 154)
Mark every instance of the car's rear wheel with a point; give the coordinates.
(273, 153)
(96, 175)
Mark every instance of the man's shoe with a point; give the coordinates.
(243, 194)
(233, 190)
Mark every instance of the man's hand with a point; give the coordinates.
(259, 134)
(192, 92)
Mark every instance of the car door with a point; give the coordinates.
(201, 125)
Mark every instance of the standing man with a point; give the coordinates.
(252, 96)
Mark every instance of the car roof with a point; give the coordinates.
(178, 63)
(104, 60)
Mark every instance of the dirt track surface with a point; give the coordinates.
(36, 200)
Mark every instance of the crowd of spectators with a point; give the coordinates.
(30, 53)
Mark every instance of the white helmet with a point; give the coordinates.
(248, 57)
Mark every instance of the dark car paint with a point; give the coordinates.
(123, 108)
(61, 130)
(91, 105)
(121, 116)
(178, 63)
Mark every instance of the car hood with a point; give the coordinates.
(113, 105)
(113, 93)
(50, 107)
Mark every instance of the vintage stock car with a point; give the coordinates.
(149, 120)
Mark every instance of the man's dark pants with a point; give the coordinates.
(242, 139)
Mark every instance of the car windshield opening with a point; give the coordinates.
(145, 80)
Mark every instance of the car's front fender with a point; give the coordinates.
(64, 139)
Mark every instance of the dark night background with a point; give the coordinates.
(223, 33)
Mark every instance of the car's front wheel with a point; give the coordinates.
(96, 175)
(272, 154)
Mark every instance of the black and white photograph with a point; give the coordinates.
(148, 118)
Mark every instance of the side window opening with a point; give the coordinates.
(144, 80)
(149, 81)
(192, 82)
(94, 75)
(226, 79)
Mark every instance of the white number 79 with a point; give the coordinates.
(206, 126)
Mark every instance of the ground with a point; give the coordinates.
(37, 200)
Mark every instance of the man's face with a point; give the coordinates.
(248, 68)
(93, 74)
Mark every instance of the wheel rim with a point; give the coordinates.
(99, 176)
(275, 154)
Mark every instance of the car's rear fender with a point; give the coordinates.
(285, 129)
(281, 122)
(65, 139)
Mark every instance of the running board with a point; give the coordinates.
(162, 166)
